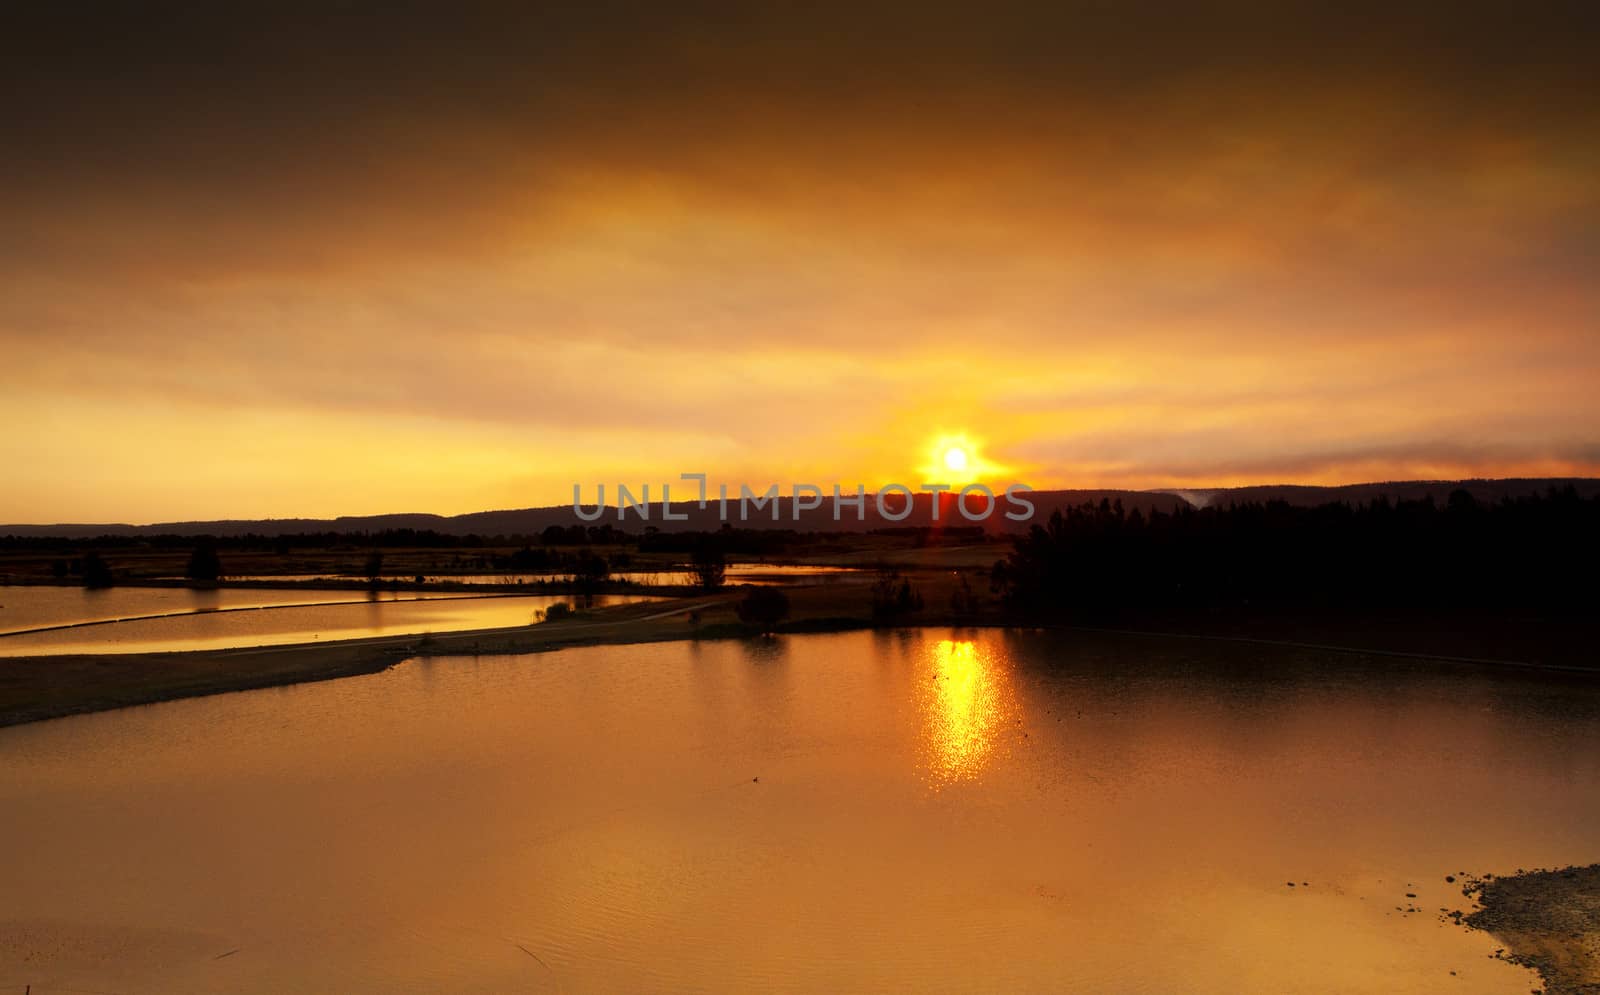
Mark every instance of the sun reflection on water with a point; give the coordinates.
(966, 700)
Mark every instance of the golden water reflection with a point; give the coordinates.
(967, 704)
(866, 812)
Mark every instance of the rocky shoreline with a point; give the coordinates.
(1549, 921)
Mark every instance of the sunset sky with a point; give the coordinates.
(258, 265)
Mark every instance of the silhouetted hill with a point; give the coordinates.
(530, 521)
(235, 527)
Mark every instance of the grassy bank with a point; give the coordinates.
(35, 688)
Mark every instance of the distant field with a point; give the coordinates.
(928, 557)
(133, 562)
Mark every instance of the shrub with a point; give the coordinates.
(204, 564)
(764, 607)
(96, 572)
(710, 565)
(893, 596)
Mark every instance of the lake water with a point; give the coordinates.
(738, 573)
(216, 619)
(918, 810)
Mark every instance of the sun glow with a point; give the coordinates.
(956, 459)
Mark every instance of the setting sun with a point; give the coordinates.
(957, 459)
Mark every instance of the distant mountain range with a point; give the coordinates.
(531, 521)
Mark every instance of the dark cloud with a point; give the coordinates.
(217, 101)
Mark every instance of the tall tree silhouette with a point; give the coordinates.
(1096, 563)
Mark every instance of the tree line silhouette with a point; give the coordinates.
(1098, 563)
(753, 542)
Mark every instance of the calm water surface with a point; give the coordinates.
(935, 811)
(34, 606)
(738, 573)
(218, 619)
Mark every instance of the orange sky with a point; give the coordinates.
(261, 267)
